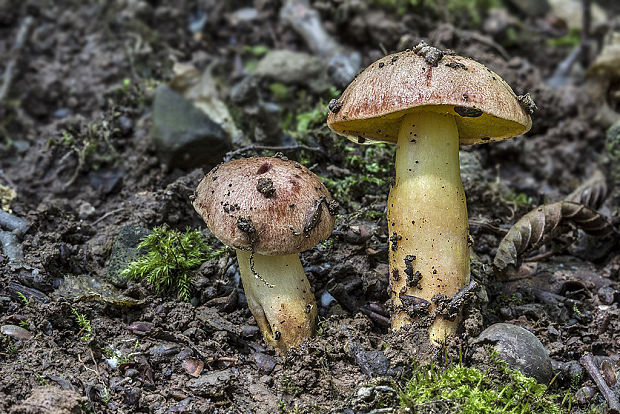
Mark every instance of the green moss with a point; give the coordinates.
(311, 119)
(520, 199)
(370, 172)
(280, 91)
(171, 258)
(571, 39)
(85, 327)
(469, 390)
(256, 50)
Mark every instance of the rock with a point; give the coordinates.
(520, 349)
(265, 363)
(212, 383)
(184, 135)
(585, 394)
(125, 251)
(86, 210)
(11, 247)
(373, 362)
(51, 400)
(131, 396)
(249, 331)
(201, 89)
(570, 371)
(16, 332)
(607, 295)
(164, 351)
(293, 68)
(342, 64)
(215, 322)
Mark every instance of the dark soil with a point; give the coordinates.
(77, 150)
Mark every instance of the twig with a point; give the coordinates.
(487, 226)
(231, 154)
(7, 78)
(108, 214)
(589, 365)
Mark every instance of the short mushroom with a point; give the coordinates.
(270, 210)
(428, 103)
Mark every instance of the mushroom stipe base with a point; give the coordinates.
(427, 217)
(281, 300)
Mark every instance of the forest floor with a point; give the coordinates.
(78, 163)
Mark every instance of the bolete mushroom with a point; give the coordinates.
(428, 103)
(270, 210)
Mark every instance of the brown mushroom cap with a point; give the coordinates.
(484, 106)
(271, 205)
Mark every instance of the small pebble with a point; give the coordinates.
(16, 332)
(520, 349)
(265, 363)
(585, 394)
(606, 295)
(249, 331)
(86, 210)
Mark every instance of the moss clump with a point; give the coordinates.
(171, 258)
(468, 390)
(370, 172)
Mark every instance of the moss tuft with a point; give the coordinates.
(469, 390)
(171, 258)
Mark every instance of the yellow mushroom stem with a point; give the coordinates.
(427, 218)
(280, 298)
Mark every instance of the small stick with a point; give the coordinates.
(108, 214)
(589, 365)
(7, 78)
(377, 318)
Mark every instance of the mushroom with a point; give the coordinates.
(270, 210)
(428, 103)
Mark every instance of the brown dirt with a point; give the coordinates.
(71, 82)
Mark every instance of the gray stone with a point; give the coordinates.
(184, 135)
(51, 400)
(295, 68)
(373, 362)
(16, 332)
(520, 349)
(212, 383)
(125, 251)
(265, 363)
(164, 351)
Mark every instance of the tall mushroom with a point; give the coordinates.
(428, 103)
(270, 210)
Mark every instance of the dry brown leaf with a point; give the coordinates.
(592, 192)
(530, 231)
